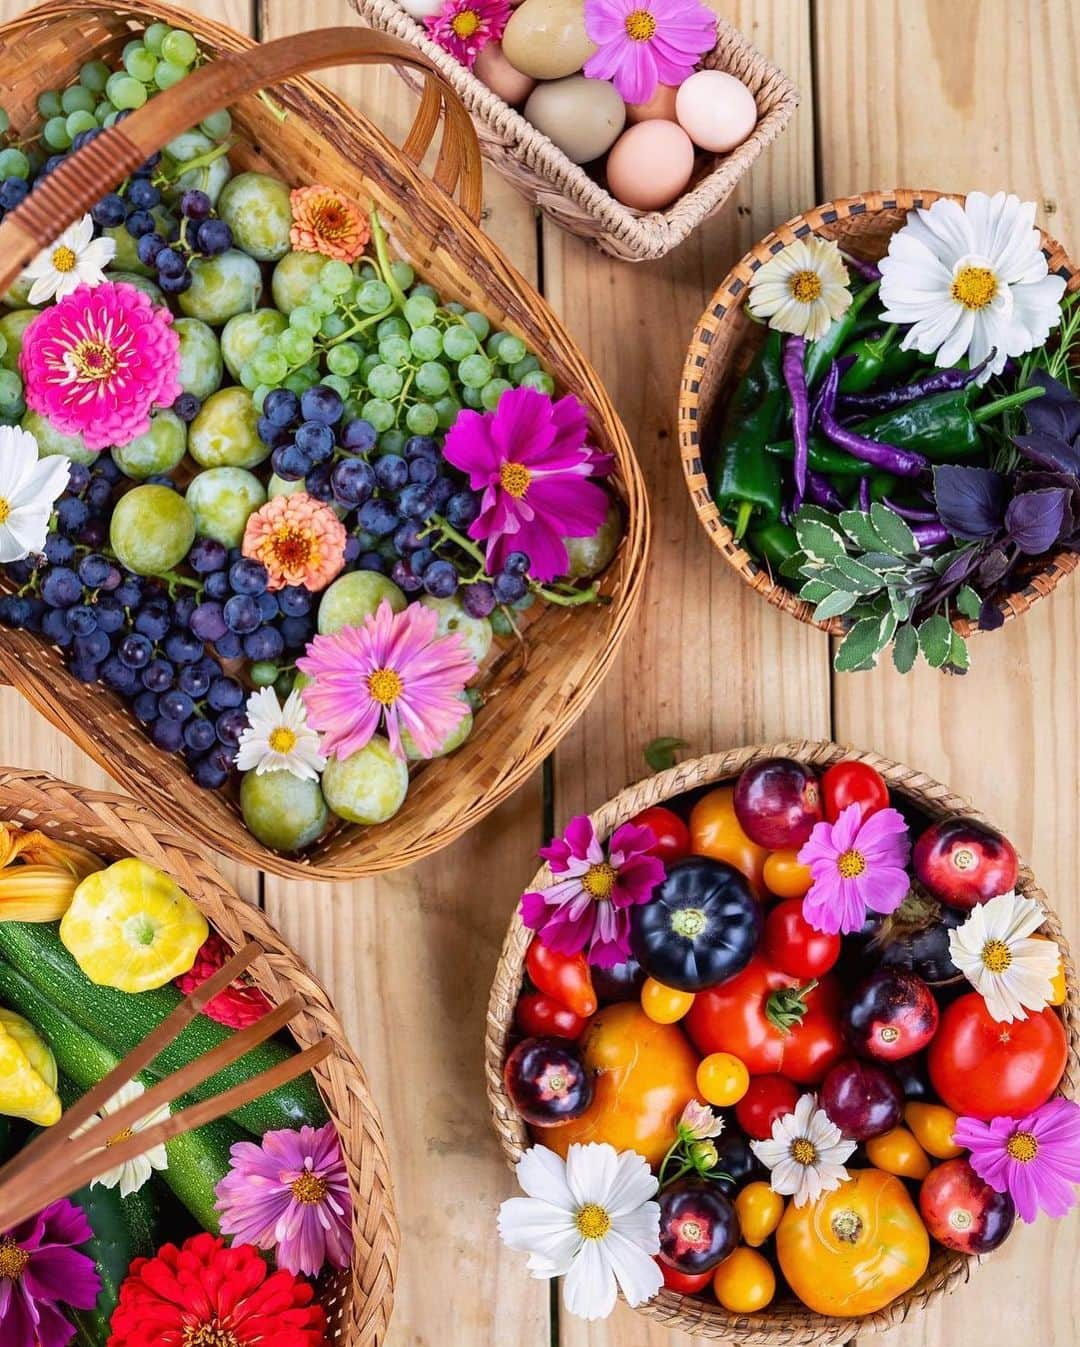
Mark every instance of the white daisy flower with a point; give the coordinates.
(278, 738)
(806, 1153)
(803, 289)
(132, 1174)
(589, 1219)
(995, 952)
(75, 258)
(969, 280)
(28, 487)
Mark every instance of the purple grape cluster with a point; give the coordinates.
(239, 615)
(199, 234)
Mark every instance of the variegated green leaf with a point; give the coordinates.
(935, 640)
(894, 532)
(859, 647)
(819, 540)
(860, 530)
(905, 649)
(835, 604)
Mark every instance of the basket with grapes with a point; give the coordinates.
(302, 541)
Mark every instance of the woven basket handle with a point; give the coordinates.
(83, 178)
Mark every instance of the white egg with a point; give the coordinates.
(716, 110)
(421, 9)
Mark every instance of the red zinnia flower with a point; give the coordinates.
(240, 1004)
(206, 1294)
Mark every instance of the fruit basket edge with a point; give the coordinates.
(358, 1306)
(791, 1325)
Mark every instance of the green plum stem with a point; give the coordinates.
(200, 161)
(573, 599)
(275, 108)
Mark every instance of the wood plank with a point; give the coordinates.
(959, 96)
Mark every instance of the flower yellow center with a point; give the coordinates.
(5, 509)
(331, 220)
(308, 1189)
(92, 359)
(640, 25)
(514, 479)
(598, 880)
(851, 864)
(592, 1221)
(63, 258)
(1022, 1146)
(290, 548)
(281, 739)
(13, 1259)
(466, 23)
(803, 1152)
(974, 287)
(209, 1335)
(385, 686)
(805, 286)
(996, 956)
(125, 1134)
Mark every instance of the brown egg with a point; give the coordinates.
(650, 165)
(716, 110)
(546, 38)
(580, 115)
(493, 69)
(661, 105)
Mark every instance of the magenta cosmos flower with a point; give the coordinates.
(40, 1270)
(588, 903)
(855, 866)
(465, 27)
(290, 1194)
(394, 668)
(1035, 1159)
(98, 362)
(643, 43)
(530, 460)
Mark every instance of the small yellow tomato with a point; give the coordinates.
(722, 1079)
(933, 1125)
(744, 1282)
(785, 876)
(897, 1152)
(664, 1005)
(1059, 988)
(759, 1210)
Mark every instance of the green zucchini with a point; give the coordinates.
(120, 1020)
(124, 1228)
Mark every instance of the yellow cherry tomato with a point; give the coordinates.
(933, 1125)
(1060, 990)
(744, 1282)
(716, 832)
(785, 876)
(664, 1005)
(759, 1210)
(897, 1152)
(722, 1079)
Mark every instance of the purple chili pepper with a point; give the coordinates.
(793, 366)
(820, 491)
(830, 387)
(867, 270)
(930, 535)
(912, 516)
(888, 457)
(941, 381)
(864, 494)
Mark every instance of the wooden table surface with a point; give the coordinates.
(951, 94)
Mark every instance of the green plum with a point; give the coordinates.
(200, 357)
(18, 295)
(151, 529)
(590, 556)
(52, 441)
(454, 739)
(160, 449)
(353, 597)
(209, 178)
(369, 786)
(225, 432)
(278, 486)
(475, 632)
(222, 286)
(223, 499)
(256, 208)
(293, 278)
(282, 810)
(12, 327)
(143, 283)
(241, 336)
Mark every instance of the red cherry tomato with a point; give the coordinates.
(766, 1099)
(671, 833)
(564, 977)
(541, 1016)
(686, 1283)
(853, 783)
(791, 944)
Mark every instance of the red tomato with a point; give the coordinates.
(853, 783)
(741, 1017)
(983, 1068)
(541, 1016)
(766, 1099)
(791, 944)
(686, 1283)
(564, 977)
(671, 833)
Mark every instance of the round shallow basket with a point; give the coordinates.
(563, 190)
(725, 341)
(535, 687)
(358, 1303)
(787, 1322)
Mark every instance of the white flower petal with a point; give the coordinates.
(787, 1177)
(633, 1184)
(534, 1226)
(542, 1174)
(636, 1271)
(591, 1171)
(590, 1289)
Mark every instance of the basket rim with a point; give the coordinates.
(703, 1318)
(728, 297)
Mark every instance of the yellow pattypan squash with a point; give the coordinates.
(27, 1072)
(131, 927)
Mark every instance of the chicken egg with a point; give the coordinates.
(716, 110)
(493, 69)
(650, 165)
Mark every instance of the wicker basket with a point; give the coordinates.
(358, 1303)
(534, 691)
(719, 352)
(563, 190)
(786, 1323)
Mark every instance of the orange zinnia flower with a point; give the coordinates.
(298, 539)
(325, 221)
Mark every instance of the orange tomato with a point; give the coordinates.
(1060, 989)
(784, 876)
(664, 1005)
(933, 1125)
(744, 1282)
(759, 1210)
(722, 1079)
(897, 1152)
(717, 833)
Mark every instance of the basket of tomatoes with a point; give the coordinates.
(779, 1040)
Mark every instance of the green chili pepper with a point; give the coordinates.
(873, 356)
(748, 480)
(774, 543)
(821, 353)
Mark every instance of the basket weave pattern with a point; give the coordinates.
(358, 1302)
(787, 1322)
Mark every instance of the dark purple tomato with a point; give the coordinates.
(547, 1080)
(736, 1163)
(924, 950)
(698, 1226)
(777, 802)
(862, 1099)
(890, 1015)
(914, 1079)
(621, 983)
(963, 1212)
(963, 862)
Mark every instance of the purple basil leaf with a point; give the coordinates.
(992, 569)
(1035, 519)
(990, 616)
(970, 501)
(1050, 451)
(1057, 412)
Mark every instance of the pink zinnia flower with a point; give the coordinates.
(299, 540)
(393, 668)
(530, 459)
(589, 903)
(98, 362)
(465, 27)
(290, 1194)
(41, 1269)
(1035, 1159)
(855, 866)
(643, 43)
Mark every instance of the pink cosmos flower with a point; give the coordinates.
(855, 866)
(465, 27)
(643, 43)
(1035, 1159)
(393, 668)
(589, 902)
(290, 1194)
(96, 363)
(40, 1270)
(530, 459)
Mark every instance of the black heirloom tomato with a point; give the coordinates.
(698, 1226)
